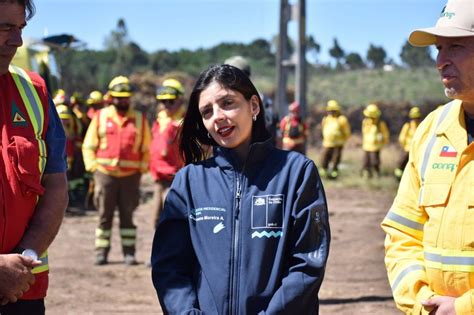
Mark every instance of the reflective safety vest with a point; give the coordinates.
(293, 130)
(430, 226)
(24, 121)
(120, 143)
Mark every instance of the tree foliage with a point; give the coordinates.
(415, 57)
(336, 52)
(376, 56)
(354, 61)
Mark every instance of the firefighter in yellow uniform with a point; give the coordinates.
(375, 136)
(405, 138)
(429, 248)
(336, 130)
(116, 150)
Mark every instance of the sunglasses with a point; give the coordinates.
(168, 102)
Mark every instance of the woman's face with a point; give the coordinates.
(227, 116)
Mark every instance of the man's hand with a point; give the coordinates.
(443, 305)
(15, 276)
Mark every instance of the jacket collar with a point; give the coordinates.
(227, 158)
(453, 126)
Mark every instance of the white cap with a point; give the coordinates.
(456, 20)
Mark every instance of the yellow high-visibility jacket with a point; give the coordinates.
(406, 134)
(375, 134)
(106, 130)
(430, 226)
(336, 130)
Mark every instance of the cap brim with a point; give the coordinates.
(427, 36)
(120, 94)
(166, 97)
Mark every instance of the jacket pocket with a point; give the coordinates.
(468, 223)
(24, 165)
(433, 200)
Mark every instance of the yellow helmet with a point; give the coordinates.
(333, 106)
(171, 89)
(414, 113)
(372, 111)
(120, 87)
(95, 97)
(63, 112)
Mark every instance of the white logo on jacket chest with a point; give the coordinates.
(219, 227)
(267, 216)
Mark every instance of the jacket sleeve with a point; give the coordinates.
(402, 138)
(90, 145)
(346, 128)
(308, 249)
(404, 251)
(385, 132)
(173, 259)
(145, 147)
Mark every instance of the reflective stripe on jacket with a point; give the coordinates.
(375, 134)
(430, 226)
(117, 145)
(24, 121)
(336, 130)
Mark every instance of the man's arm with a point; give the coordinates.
(48, 215)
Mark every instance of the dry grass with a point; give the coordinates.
(351, 165)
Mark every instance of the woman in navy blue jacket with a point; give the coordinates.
(245, 231)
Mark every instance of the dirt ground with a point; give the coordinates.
(355, 281)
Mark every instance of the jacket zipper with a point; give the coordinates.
(235, 252)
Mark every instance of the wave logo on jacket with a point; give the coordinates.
(267, 216)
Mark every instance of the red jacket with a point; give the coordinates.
(24, 125)
(165, 159)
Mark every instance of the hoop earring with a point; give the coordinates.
(254, 117)
(209, 135)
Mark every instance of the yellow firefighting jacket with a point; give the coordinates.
(375, 134)
(406, 134)
(101, 134)
(430, 226)
(336, 131)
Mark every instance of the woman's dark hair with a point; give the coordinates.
(193, 138)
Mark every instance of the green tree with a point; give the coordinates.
(336, 52)
(354, 61)
(376, 56)
(313, 47)
(415, 57)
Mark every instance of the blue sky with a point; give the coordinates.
(175, 24)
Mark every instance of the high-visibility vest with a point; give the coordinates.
(120, 144)
(24, 121)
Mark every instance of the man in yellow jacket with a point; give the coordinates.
(336, 130)
(116, 150)
(405, 138)
(375, 136)
(430, 226)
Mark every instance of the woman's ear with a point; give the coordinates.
(255, 107)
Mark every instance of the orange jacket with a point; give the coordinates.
(117, 145)
(23, 118)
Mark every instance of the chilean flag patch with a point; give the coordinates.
(448, 151)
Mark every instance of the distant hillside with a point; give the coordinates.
(361, 87)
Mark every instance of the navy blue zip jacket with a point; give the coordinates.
(243, 239)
